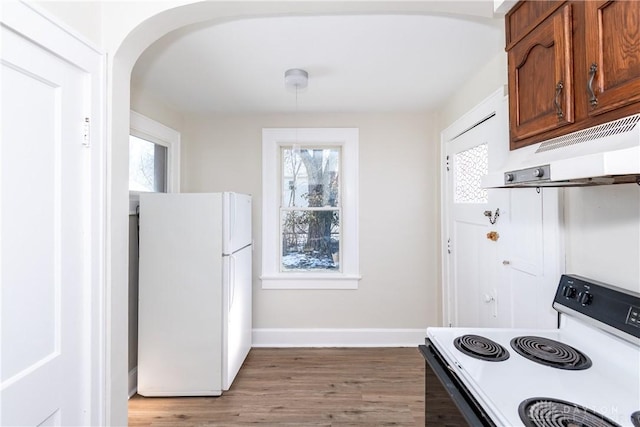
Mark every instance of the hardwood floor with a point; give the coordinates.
(304, 387)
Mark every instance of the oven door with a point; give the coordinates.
(447, 400)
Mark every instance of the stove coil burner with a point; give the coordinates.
(481, 348)
(550, 353)
(546, 412)
(635, 419)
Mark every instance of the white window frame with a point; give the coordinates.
(150, 130)
(273, 140)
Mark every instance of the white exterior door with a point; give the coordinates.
(471, 146)
(506, 279)
(471, 254)
(46, 271)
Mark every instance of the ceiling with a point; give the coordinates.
(356, 63)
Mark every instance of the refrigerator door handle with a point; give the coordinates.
(232, 280)
(232, 220)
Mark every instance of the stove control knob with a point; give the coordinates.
(538, 172)
(585, 298)
(509, 177)
(569, 292)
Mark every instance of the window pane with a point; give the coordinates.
(310, 177)
(147, 165)
(470, 166)
(310, 240)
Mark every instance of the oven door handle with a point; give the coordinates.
(469, 408)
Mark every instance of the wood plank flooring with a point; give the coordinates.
(304, 387)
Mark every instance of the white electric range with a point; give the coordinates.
(585, 373)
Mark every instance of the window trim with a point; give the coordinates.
(272, 141)
(148, 129)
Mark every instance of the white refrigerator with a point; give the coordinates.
(194, 325)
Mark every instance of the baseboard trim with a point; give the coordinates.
(133, 381)
(316, 337)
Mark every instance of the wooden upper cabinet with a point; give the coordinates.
(612, 32)
(541, 78)
(571, 65)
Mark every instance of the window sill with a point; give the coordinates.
(310, 281)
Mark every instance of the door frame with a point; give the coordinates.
(36, 25)
(495, 104)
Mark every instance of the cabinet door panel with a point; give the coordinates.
(524, 15)
(541, 78)
(613, 44)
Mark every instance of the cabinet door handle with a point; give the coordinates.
(593, 100)
(556, 101)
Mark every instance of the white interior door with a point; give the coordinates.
(45, 253)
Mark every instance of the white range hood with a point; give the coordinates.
(605, 154)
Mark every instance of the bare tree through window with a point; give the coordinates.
(310, 208)
(147, 165)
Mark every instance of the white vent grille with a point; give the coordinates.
(615, 127)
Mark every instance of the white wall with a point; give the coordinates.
(603, 234)
(151, 107)
(470, 93)
(81, 17)
(399, 216)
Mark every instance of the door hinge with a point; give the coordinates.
(449, 245)
(86, 133)
(447, 163)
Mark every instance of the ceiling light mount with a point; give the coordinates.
(296, 78)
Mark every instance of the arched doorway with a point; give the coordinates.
(152, 22)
